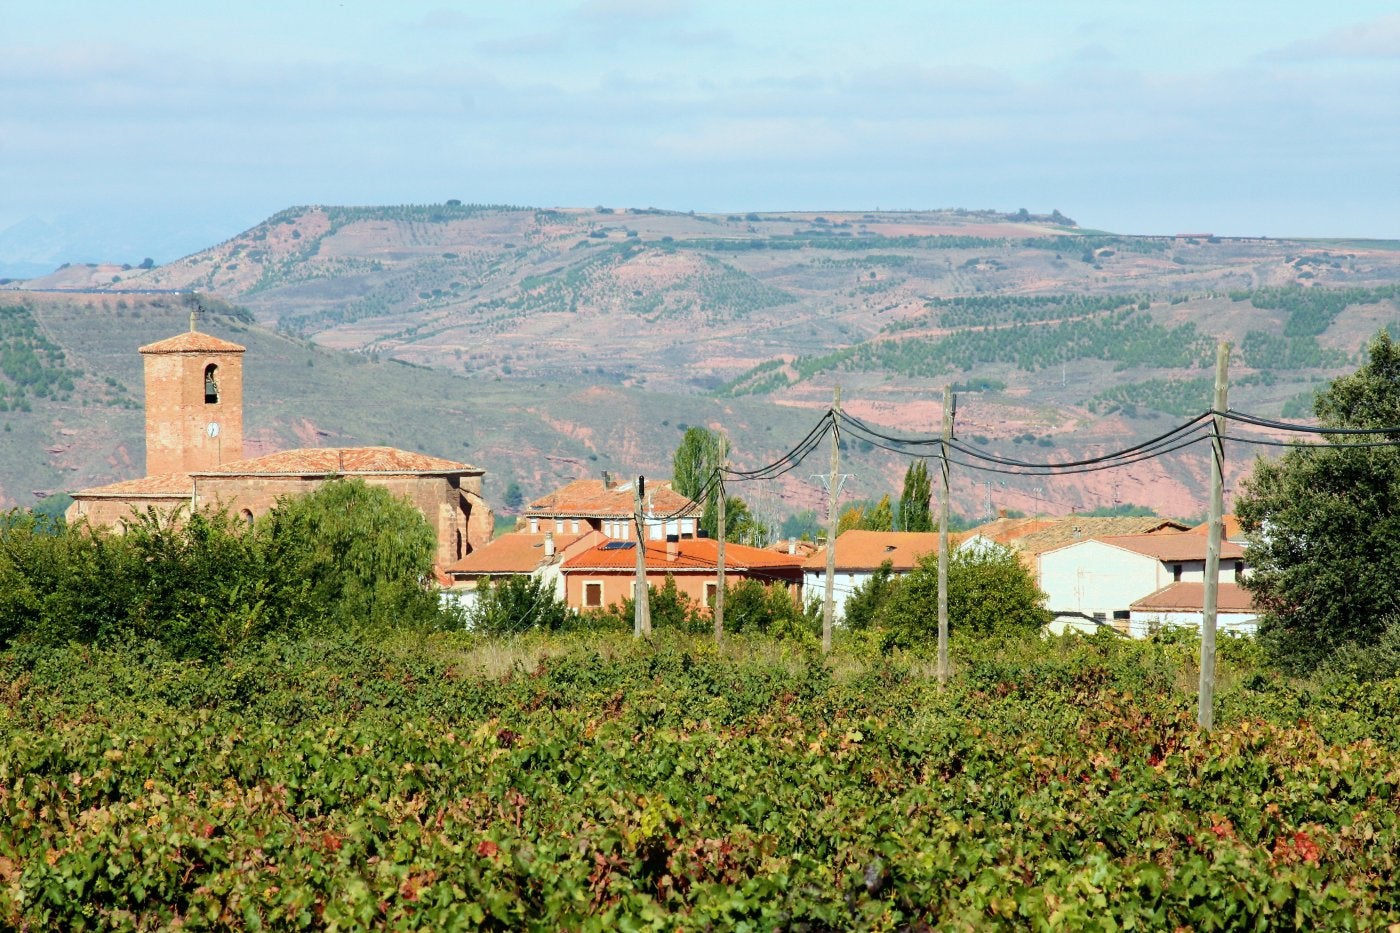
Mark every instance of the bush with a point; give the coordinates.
(989, 592)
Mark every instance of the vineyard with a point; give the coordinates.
(396, 780)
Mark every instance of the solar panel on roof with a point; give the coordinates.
(618, 546)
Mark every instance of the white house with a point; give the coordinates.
(1100, 579)
(1181, 605)
(858, 555)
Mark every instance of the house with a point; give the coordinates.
(517, 553)
(1182, 605)
(608, 506)
(858, 555)
(606, 572)
(1030, 537)
(1099, 579)
(194, 456)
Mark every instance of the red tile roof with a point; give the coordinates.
(1190, 597)
(1179, 546)
(691, 554)
(587, 498)
(1043, 534)
(346, 461)
(867, 550)
(192, 342)
(1233, 531)
(160, 486)
(516, 552)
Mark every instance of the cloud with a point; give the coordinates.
(1377, 38)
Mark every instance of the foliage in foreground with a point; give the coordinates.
(430, 783)
(202, 584)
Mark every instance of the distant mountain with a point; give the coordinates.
(613, 327)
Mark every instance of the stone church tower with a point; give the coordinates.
(194, 403)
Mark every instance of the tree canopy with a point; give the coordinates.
(1323, 524)
(914, 510)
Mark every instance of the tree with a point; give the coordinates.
(514, 498)
(701, 451)
(989, 591)
(914, 512)
(1323, 524)
(518, 603)
(148, 263)
(360, 551)
(866, 600)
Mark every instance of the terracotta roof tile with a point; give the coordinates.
(1045, 534)
(691, 554)
(1190, 597)
(192, 342)
(1233, 531)
(162, 486)
(348, 461)
(588, 498)
(1179, 546)
(867, 550)
(516, 552)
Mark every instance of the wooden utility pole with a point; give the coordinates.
(641, 609)
(1205, 710)
(943, 537)
(719, 561)
(829, 605)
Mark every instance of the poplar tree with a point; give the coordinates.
(914, 512)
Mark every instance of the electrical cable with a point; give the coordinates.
(1297, 428)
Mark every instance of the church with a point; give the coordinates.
(194, 456)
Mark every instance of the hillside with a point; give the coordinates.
(510, 336)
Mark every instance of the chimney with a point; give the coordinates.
(548, 545)
(792, 545)
(607, 480)
(1001, 513)
(673, 548)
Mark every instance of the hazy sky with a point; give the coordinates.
(148, 121)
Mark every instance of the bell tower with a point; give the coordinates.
(194, 403)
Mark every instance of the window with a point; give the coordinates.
(573, 526)
(534, 526)
(1121, 614)
(1176, 573)
(211, 385)
(559, 526)
(247, 517)
(593, 595)
(710, 590)
(1099, 617)
(1239, 569)
(457, 538)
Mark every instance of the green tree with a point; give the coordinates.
(361, 552)
(1323, 524)
(514, 497)
(989, 590)
(914, 513)
(518, 603)
(880, 518)
(865, 601)
(701, 451)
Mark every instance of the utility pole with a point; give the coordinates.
(719, 561)
(641, 603)
(1205, 710)
(943, 539)
(829, 606)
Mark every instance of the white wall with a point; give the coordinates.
(1143, 623)
(1091, 577)
(814, 587)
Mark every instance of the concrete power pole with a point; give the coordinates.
(829, 605)
(641, 610)
(943, 538)
(719, 562)
(1205, 710)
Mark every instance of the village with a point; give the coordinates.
(1134, 575)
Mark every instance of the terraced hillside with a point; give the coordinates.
(581, 334)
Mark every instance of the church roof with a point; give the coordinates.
(192, 341)
(160, 486)
(342, 461)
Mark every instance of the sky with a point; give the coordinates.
(156, 128)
